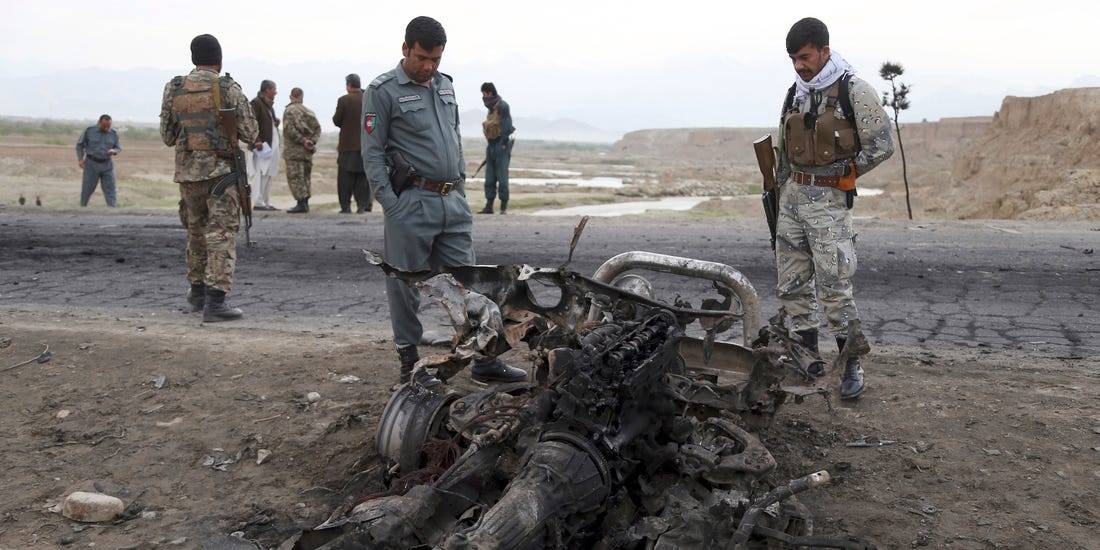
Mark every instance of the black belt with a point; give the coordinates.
(97, 159)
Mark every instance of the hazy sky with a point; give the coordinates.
(615, 64)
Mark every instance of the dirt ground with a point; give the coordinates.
(987, 450)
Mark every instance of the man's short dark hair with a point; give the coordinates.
(488, 87)
(808, 31)
(353, 81)
(266, 85)
(425, 31)
(296, 92)
(104, 117)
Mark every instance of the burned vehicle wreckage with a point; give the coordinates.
(630, 434)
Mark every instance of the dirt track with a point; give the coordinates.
(985, 375)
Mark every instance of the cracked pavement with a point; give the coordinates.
(989, 284)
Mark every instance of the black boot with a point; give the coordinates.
(196, 298)
(301, 208)
(216, 310)
(809, 341)
(503, 208)
(408, 356)
(851, 382)
(493, 370)
(487, 210)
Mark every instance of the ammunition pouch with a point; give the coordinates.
(820, 139)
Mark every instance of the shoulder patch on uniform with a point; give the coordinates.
(449, 77)
(408, 98)
(382, 79)
(370, 122)
(447, 91)
(177, 81)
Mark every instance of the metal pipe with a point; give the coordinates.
(688, 267)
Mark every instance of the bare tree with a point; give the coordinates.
(898, 100)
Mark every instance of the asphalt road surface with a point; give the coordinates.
(991, 284)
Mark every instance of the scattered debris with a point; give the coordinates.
(261, 456)
(4, 342)
(149, 514)
(1075, 249)
(44, 356)
(63, 414)
(992, 452)
(160, 381)
(348, 379)
(91, 507)
(872, 441)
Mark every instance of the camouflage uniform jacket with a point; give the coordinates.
(299, 124)
(872, 128)
(203, 165)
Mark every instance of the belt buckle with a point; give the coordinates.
(446, 188)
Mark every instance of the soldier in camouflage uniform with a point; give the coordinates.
(301, 131)
(204, 170)
(833, 130)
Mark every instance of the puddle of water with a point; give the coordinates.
(602, 182)
(550, 172)
(678, 204)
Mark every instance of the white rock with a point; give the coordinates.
(149, 515)
(313, 397)
(348, 379)
(178, 541)
(261, 456)
(63, 414)
(170, 423)
(91, 507)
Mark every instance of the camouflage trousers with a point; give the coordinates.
(815, 253)
(212, 223)
(297, 175)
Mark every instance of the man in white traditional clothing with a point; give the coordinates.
(263, 156)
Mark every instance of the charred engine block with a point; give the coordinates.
(617, 444)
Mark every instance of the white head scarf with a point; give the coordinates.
(834, 68)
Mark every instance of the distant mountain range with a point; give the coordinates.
(133, 96)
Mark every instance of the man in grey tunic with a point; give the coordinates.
(833, 130)
(94, 152)
(412, 154)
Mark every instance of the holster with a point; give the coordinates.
(400, 171)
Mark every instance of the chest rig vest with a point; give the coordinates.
(195, 106)
(813, 139)
(491, 127)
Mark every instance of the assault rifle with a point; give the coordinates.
(765, 158)
(228, 120)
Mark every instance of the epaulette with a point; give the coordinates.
(449, 77)
(382, 79)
